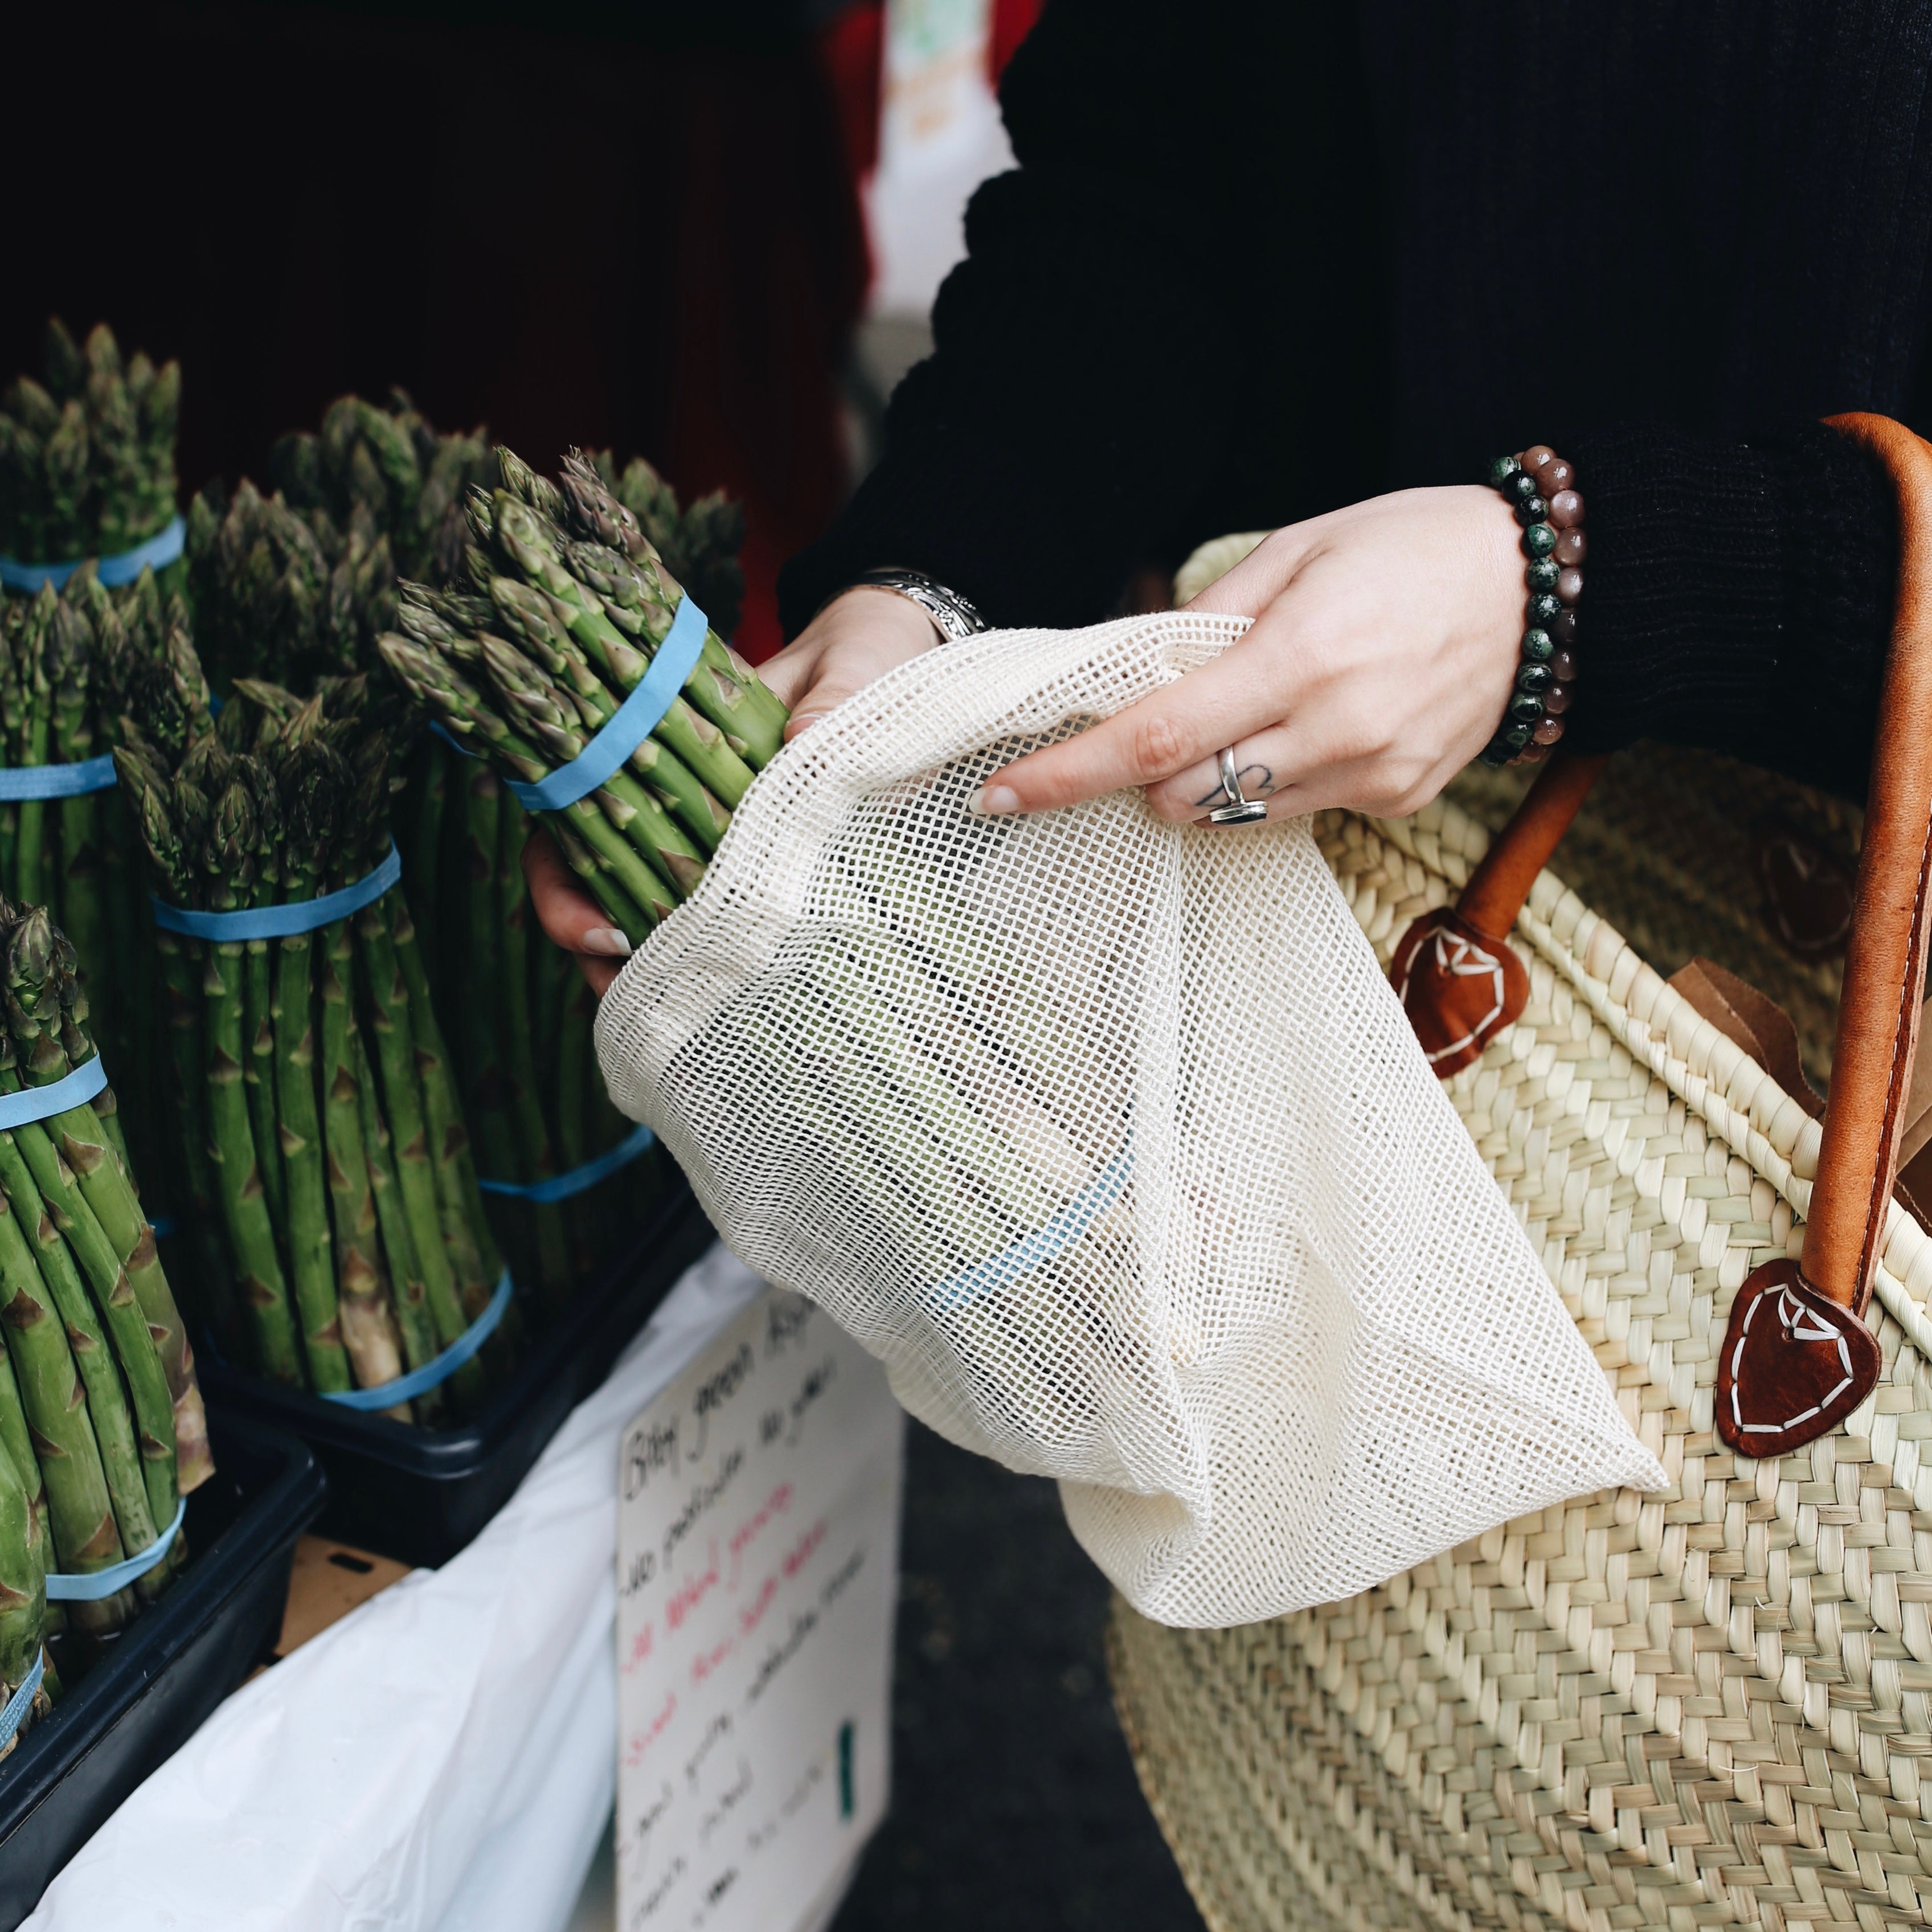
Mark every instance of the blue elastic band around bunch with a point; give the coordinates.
(281, 921)
(19, 782)
(90, 1589)
(159, 550)
(70, 1090)
(625, 729)
(562, 1186)
(15, 1714)
(438, 1368)
(1051, 1239)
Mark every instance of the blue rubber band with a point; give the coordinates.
(95, 1584)
(24, 782)
(70, 1090)
(160, 550)
(164, 1226)
(1031, 1253)
(450, 738)
(562, 1186)
(15, 1714)
(281, 921)
(437, 1369)
(629, 725)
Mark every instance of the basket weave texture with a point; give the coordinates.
(1710, 1707)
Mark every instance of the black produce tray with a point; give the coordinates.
(420, 1495)
(169, 1670)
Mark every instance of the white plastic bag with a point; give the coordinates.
(1109, 1138)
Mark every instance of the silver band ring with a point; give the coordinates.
(1238, 810)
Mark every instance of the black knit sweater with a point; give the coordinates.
(1263, 257)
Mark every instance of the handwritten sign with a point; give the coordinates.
(757, 1559)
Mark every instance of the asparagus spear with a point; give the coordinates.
(369, 1325)
(23, 1581)
(309, 783)
(538, 1161)
(402, 1108)
(171, 819)
(231, 1146)
(35, 726)
(433, 791)
(16, 1439)
(465, 1225)
(258, 1020)
(83, 912)
(406, 1272)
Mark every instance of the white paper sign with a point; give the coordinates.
(757, 1562)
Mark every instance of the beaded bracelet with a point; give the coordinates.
(1541, 487)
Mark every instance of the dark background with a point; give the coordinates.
(640, 229)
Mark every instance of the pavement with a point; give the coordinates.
(1015, 1804)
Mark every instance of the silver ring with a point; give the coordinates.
(1238, 810)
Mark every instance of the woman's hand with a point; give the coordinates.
(857, 637)
(569, 916)
(1383, 651)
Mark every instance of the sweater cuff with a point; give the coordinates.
(1737, 598)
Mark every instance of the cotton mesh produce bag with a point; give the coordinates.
(1109, 1138)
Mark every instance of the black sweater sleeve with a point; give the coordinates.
(1736, 598)
(1176, 319)
(1120, 340)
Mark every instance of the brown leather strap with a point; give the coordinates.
(1500, 884)
(1884, 962)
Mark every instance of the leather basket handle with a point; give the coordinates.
(1797, 1357)
(1885, 958)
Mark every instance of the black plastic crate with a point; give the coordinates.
(420, 1495)
(167, 1671)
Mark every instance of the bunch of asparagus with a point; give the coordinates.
(279, 595)
(325, 1138)
(535, 1098)
(522, 1016)
(69, 663)
(87, 455)
(101, 1423)
(568, 603)
(298, 584)
(386, 462)
(699, 543)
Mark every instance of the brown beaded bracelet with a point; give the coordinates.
(1540, 487)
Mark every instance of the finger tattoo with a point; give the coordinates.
(1262, 786)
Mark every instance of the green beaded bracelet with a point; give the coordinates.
(1538, 484)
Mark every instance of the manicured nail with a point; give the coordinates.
(606, 940)
(994, 802)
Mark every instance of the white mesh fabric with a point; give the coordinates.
(1109, 1139)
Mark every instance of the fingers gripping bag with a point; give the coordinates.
(1109, 1139)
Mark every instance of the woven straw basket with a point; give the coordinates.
(1712, 1707)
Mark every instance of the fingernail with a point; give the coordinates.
(994, 802)
(606, 940)
(801, 721)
